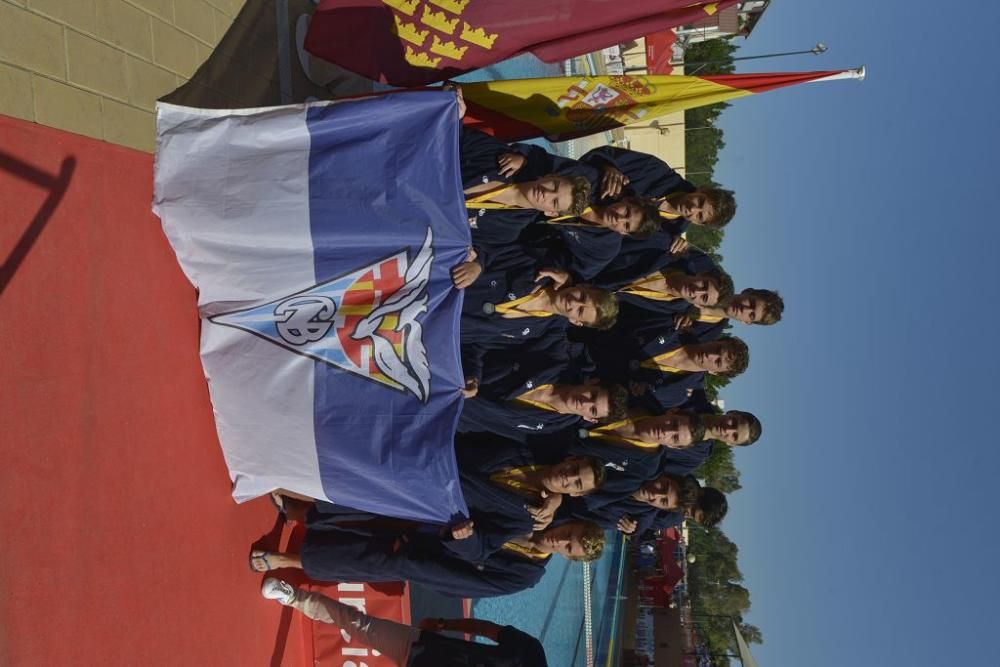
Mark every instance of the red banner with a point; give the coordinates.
(415, 42)
(333, 647)
(660, 51)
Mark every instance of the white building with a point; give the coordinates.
(736, 20)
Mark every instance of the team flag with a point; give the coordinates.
(415, 42)
(563, 108)
(320, 238)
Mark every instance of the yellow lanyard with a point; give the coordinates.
(482, 199)
(512, 309)
(564, 219)
(664, 214)
(607, 432)
(638, 288)
(527, 552)
(514, 478)
(710, 318)
(523, 398)
(657, 362)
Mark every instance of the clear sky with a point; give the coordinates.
(867, 522)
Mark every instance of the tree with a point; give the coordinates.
(715, 580)
(712, 56)
(719, 470)
(751, 633)
(702, 140)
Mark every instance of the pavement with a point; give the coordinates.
(123, 543)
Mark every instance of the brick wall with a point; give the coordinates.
(96, 67)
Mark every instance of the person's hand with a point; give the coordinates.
(627, 525)
(679, 246)
(544, 513)
(510, 164)
(471, 387)
(463, 530)
(612, 182)
(559, 278)
(432, 624)
(683, 321)
(465, 274)
(458, 95)
(636, 388)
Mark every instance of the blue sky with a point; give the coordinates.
(866, 522)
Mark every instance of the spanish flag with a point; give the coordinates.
(561, 108)
(416, 42)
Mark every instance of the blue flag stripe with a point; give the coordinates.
(383, 179)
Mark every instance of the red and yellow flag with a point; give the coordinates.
(563, 108)
(415, 42)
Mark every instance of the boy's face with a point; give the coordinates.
(591, 402)
(572, 477)
(566, 540)
(671, 430)
(696, 208)
(746, 308)
(662, 493)
(732, 429)
(701, 290)
(550, 194)
(623, 217)
(577, 304)
(715, 357)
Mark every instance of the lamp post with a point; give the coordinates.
(819, 49)
(816, 50)
(664, 128)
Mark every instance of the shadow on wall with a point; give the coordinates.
(56, 184)
(259, 62)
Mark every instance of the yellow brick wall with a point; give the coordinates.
(96, 67)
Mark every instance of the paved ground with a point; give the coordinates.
(122, 545)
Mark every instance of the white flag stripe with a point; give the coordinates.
(239, 223)
(231, 207)
(270, 444)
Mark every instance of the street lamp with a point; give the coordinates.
(820, 48)
(665, 128)
(653, 125)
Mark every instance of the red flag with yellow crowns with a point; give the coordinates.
(561, 108)
(415, 42)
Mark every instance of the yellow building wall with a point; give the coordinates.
(666, 140)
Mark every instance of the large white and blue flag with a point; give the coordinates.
(321, 238)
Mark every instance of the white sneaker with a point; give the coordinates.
(276, 589)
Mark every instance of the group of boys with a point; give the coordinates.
(589, 326)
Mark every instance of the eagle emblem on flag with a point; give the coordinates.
(364, 322)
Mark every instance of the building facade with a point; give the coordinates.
(737, 20)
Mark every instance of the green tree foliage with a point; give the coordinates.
(717, 592)
(720, 471)
(716, 584)
(702, 139)
(706, 239)
(713, 56)
(751, 633)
